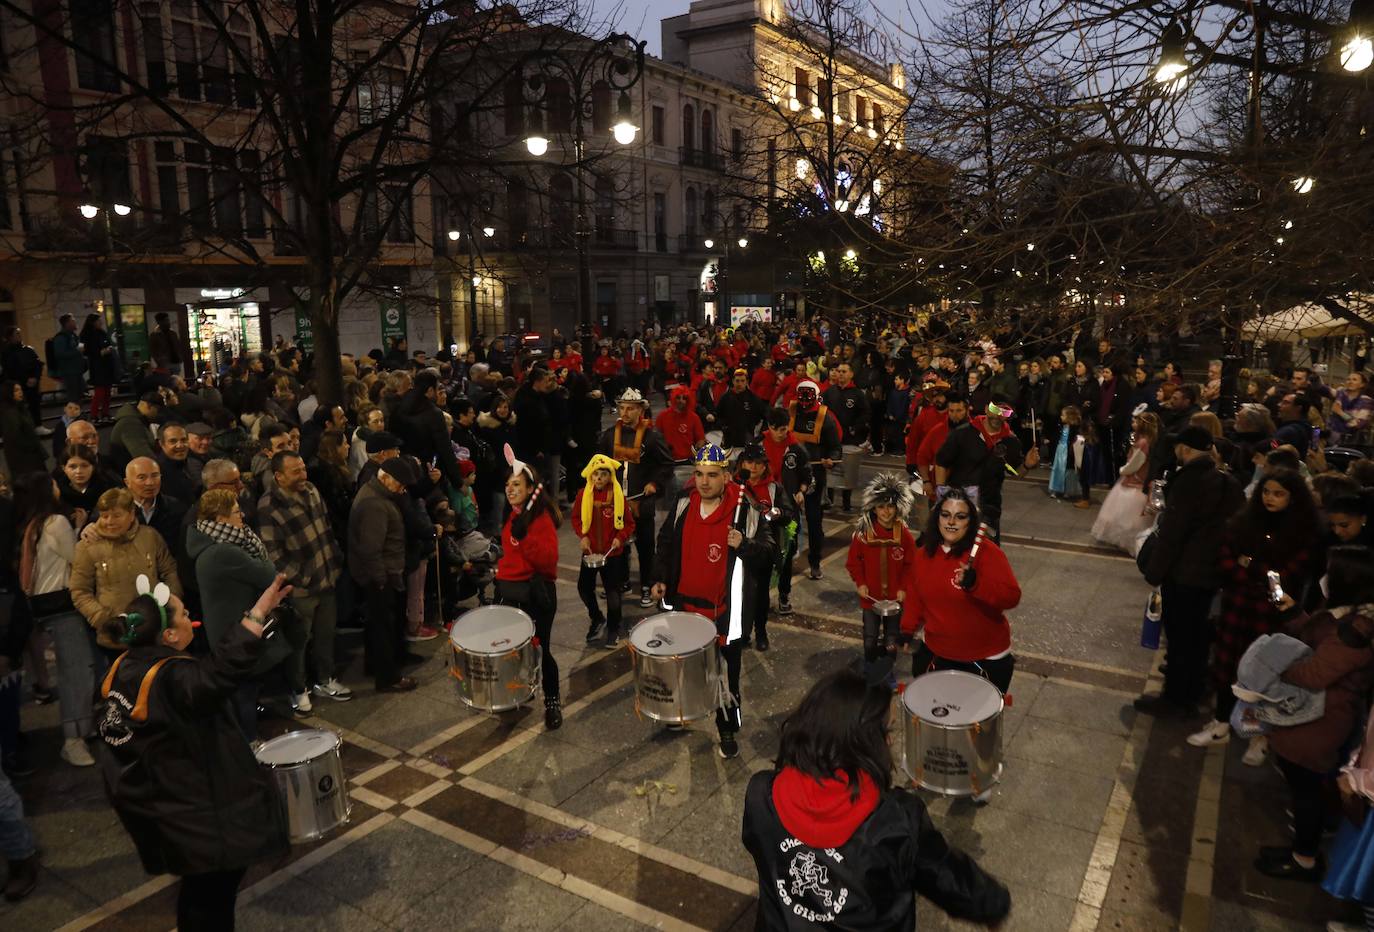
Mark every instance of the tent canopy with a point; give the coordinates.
(1305, 321)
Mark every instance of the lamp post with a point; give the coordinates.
(723, 269)
(91, 211)
(617, 61)
(472, 281)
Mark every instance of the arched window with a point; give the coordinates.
(708, 211)
(689, 126)
(561, 220)
(689, 219)
(708, 133)
(601, 107)
(605, 208)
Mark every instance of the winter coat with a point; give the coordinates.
(850, 408)
(376, 538)
(738, 416)
(230, 581)
(962, 454)
(424, 433)
(1259, 680)
(24, 452)
(105, 573)
(1198, 501)
(868, 882)
(104, 367)
(535, 427)
(1342, 663)
(66, 350)
(1084, 396)
(497, 433)
(655, 463)
(184, 782)
(130, 437)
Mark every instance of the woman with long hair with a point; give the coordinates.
(329, 474)
(1122, 518)
(102, 359)
(1278, 532)
(528, 566)
(836, 845)
(181, 778)
(1341, 665)
(24, 451)
(79, 483)
(46, 550)
(960, 598)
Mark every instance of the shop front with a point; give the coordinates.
(225, 324)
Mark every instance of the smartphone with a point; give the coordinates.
(1275, 587)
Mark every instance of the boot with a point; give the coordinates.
(553, 713)
(23, 878)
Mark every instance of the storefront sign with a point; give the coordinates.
(393, 322)
(305, 332)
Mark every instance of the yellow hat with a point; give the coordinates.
(602, 461)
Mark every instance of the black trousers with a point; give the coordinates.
(383, 643)
(1184, 616)
(815, 522)
(1309, 810)
(205, 902)
(785, 571)
(756, 619)
(612, 574)
(644, 542)
(537, 598)
(880, 634)
(998, 672)
(728, 719)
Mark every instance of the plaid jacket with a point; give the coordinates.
(296, 531)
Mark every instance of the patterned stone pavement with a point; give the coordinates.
(1103, 820)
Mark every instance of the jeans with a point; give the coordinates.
(1184, 616)
(537, 598)
(615, 571)
(880, 635)
(205, 902)
(74, 643)
(318, 614)
(16, 841)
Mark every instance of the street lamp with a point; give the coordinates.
(454, 235)
(1303, 184)
(1357, 53)
(709, 243)
(90, 211)
(624, 130)
(743, 242)
(1172, 62)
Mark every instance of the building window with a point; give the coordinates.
(877, 118)
(601, 107)
(689, 126)
(514, 107)
(659, 130)
(6, 216)
(708, 132)
(861, 111)
(93, 35)
(560, 105)
(708, 211)
(802, 86)
(184, 52)
(254, 207)
(380, 90)
(689, 219)
(660, 222)
(737, 143)
(517, 210)
(401, 210)
(561, 224)
(154, 51)
(227, 191)
(197, 188)
(772, 170)
(107, 170)
(168, 187)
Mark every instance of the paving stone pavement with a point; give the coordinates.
(1102, 820)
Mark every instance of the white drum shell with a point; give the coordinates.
(494, 677)
(313, 790)
(680, 687)
(962, 759)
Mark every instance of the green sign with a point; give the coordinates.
(305, 332)
(393, 322)
(135, 326)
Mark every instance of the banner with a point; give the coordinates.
(305, 330)
(739, 315)
(393, 322)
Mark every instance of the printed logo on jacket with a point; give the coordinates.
(807, 890)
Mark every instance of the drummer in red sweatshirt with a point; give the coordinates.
(881, 554)
(604, 525)
(959, 598)
(680, 425)
(527, 568)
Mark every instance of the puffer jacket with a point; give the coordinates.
(1259, 680)
(183, 781)
(105, 574)
(377, 538)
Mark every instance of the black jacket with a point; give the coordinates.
(893, 855)
(738, 415)
(423, 432)
(177, 480)
(1198, 501)
(850, 407)
(184, 782)
(655, 462)
(757, 551)
(533, 427)
(964, 454)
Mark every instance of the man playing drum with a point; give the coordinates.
(647, 468)
(814, 426)
(707, 548)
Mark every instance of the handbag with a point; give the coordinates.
(1146, 551)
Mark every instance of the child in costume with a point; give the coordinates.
(880, 558)
(770, 498)
(604, 525)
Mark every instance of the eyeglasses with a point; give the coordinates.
(954, 516)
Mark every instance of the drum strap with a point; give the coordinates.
(885, 560)
(628, 454)
(814, 436)
(145, 688)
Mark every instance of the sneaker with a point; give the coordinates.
(332, 690)
(612, 640)
(645, 600)
(1279, 863)
(75, 752)
(729, 747)
(814, 573)
(23, 878)
(1214, 732)
(784, 607)
(1257, 752)
(43, 431)
(423, 633)
(300, 703)
(594, 630)
(553, 713)
(625, 586)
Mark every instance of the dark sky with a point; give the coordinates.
(642, 18)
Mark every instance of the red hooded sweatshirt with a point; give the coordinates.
(602, 530)
(707, 553)
(881, 556)
(819, 813)
(764, 383)
(962, 624)
(536, 555)
(682, 431)
(916, 432)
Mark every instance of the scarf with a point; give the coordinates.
(629, 454)
(602, 461)
(240, 537)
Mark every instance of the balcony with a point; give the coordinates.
(604, 237)
(708, 159)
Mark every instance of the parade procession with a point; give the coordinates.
(729, 465)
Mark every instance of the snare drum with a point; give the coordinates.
(494, 658)
(677, 667)
(593, 561)
(952, 733)
(887, 608)
(308, 775)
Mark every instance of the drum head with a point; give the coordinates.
(951, 698)
(491, 629)
(297, 747)
(886, 608)
(672, 634)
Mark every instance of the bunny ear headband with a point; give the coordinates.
(517, 467)
(160, 593)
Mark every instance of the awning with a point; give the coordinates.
(1306, 321)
